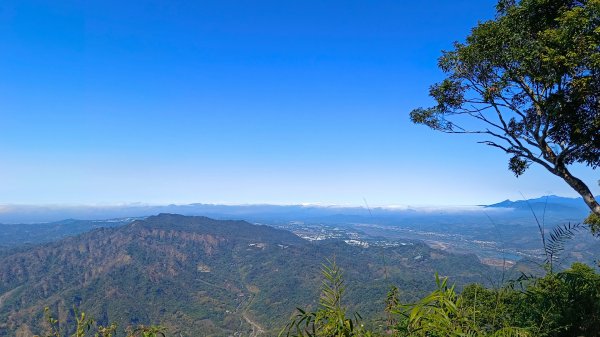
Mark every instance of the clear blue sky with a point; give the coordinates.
(237, 102)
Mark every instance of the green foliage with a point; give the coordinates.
(593, 220)
(86, 326)
(518, 165)
(392, 301)
(555, 244)
(147, 331)
(330, 320)
(444, 313)
(54, 329)
(563, 304)
(557, 305)
(568, 303)
(106, 331)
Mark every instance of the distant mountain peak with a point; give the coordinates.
(549, 203)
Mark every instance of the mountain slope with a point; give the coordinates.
(198, 275)
(16, 235)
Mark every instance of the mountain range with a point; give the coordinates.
(215, 277)
(200, 276)
(553, 205)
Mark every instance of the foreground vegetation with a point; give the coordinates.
(557, 305)
(85, 326)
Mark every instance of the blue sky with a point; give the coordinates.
(105, 102)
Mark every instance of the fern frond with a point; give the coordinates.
(512, 332)
(555, 244)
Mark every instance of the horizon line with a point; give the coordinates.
(242, 204)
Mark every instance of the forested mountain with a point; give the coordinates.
(505, 230)
(200, 276)
(15, 235)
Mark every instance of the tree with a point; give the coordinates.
(529, 83)
(562, 304)
(443, 313)
(330, 319)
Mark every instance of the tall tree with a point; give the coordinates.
(530, 79)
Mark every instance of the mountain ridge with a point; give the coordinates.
(196, 274)
(551, 203)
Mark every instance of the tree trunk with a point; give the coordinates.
(580, 187)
